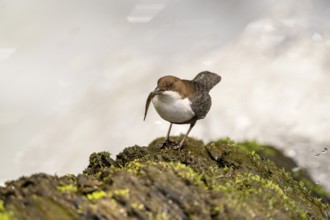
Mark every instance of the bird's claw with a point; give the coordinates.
(177, 147)
(165, 143)
(173, 145)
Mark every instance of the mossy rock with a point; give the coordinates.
(282, 161)
(220, 180)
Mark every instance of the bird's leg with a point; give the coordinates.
(167, 140)
(178, 147)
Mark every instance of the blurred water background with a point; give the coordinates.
(75, 74)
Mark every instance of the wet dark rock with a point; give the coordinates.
(219, 180)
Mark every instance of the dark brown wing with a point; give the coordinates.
(201, 104)
(199, 98)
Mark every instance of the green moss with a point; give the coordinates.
(226, 140)
(270, 152)
(250, 188)
(265, 181)
(310, 185)
(276, 156)
(67, 188)
(99, 161)
(250, 146)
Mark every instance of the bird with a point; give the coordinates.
(181, 101)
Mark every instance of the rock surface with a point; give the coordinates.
(220, 180)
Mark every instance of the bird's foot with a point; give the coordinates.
(165, 143)
(178, 146)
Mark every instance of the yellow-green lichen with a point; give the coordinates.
(134, 166)
(80, 209)
(67, 188)
(2, 206)
(69, 175)
(121, 192)
(158, 216)
(96, 195)
(137, 205)
(4, 214)
(183, 171)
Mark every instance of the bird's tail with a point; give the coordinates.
(207, 79)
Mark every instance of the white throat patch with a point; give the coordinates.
(171, 107)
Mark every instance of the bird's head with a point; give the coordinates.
(168, 83)
(164, 85)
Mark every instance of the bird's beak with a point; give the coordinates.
(156, 91)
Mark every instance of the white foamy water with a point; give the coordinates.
(75, 75)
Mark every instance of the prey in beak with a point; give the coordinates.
(150, 97)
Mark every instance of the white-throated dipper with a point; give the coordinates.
(180, 101)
